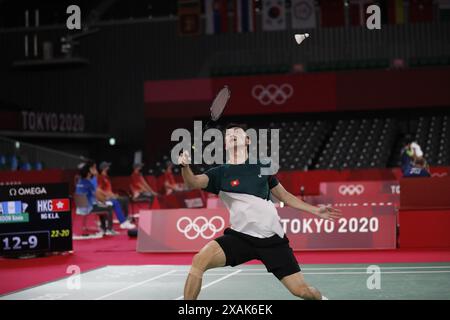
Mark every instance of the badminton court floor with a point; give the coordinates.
(248, 282)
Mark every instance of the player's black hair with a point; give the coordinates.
(90, 163)
(243, 126)
(84, 170)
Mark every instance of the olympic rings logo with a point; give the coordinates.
(200, 226)
(272, 93)
(351, 190)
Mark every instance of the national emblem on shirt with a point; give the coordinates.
(234, 183)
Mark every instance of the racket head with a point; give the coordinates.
(219, 103)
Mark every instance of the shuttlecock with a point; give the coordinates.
(300, 37)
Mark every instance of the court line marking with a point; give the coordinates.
(382, 272)
(214, 282)
(328, 273)
(246, 272)
(359, 268)
(136, 285)
(381, 267)
(186, 267)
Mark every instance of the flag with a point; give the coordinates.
(216, 13)
(189, 17)
(444, 10)
(234, 183)
(53, 205)
(303, 14)
(274, 15)
(332, 13)
(357, 12)
(11, 207)
(244, 15)
(396, 11)
(60, 205)
(420, 10)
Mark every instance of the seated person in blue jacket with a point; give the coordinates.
(413, 163)
(409, 152)
(105, 193)
(417, 168)
(86, 185)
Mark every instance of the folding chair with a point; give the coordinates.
(81, 202)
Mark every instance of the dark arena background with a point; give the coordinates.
(354, 95)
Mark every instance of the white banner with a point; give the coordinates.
(274, 15)
(303, 14)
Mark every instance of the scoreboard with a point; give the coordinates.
(35, 219)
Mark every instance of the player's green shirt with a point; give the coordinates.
(246, 194)
(241, 178)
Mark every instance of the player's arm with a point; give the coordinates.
(292, 201)
(101, 195)
(192, 181)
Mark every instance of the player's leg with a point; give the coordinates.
(124, 202)
(279, 259)
(118, 210)
(297, 285)
(210, 256)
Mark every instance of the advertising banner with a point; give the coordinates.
(362, 226)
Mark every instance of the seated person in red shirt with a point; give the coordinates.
(120, 204)
(169, 180)
(139, 187)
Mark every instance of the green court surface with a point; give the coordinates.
(247, 282)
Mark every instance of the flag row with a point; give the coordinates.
(303, 14)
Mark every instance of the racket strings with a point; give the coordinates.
(219, 103)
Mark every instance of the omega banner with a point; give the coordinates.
(363, 226)
(35, 218)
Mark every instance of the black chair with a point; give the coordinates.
(81, 202)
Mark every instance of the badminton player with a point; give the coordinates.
(256, 231)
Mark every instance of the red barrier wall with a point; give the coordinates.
(420, 224)
(424, 213)
(424, 228)
(424, 193)
(291, 180)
